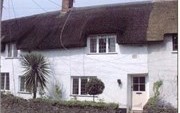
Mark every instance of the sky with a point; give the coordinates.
(21, 8)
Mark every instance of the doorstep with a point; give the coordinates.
(136, 111)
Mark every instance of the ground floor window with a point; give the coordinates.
(5, 81)
(78, 85)
(22, 85)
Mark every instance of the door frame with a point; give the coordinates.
(129, 86)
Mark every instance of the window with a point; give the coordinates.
(83, 85)
(4, 81)
(75, 85)
(78, 85)
(22, 84)
(102, 44)
(138, 83)
(93, 45)
(12, 50)
(175, 42)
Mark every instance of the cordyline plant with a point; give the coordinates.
(36, 70)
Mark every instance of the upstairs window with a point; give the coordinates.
(103, 44)
(12, 50)
(78, 85)
(4, 81)
(175, 42)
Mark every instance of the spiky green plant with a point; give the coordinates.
(36, 70)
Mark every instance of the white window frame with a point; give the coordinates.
(79, 84)
(97, 37)
(5, 77)
(12, 51)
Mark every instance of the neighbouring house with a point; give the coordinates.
(128, 46)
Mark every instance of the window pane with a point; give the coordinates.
(142, 87)
(2, 80)
(7, 81)
(142, 79)
(111, 43)
(9, 50)
(102, 45)
(22, 83)
(75, 85)
(175, 43)
(14, 51)
(135, 79)
(93, 44)
(83, 84)
(135, 87)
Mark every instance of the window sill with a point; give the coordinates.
(12, 58)
(4, 90)
(102, 53)
(174, 52)
(23, 92)
(73, 95)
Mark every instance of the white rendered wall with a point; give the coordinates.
(13, 67)
(129, 59)
(162, 65)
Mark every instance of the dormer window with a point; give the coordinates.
(102, 44)
(11, 50)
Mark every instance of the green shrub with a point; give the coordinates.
(94, 87)
(89, 104)
(56, 93)
(156, 105)
(75, 103)
(10, 100)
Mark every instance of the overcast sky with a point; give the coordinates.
(20, 8)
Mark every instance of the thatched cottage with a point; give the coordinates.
(128, 46)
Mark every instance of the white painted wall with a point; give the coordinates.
(162, 65)
(157, 59)
(129, 59)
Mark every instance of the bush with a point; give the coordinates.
(10, 100)
(94, 87)
(83, 104)
(156, 105)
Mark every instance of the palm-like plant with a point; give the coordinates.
(36, 70)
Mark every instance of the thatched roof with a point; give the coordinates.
(44, 31)
(163, 19)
